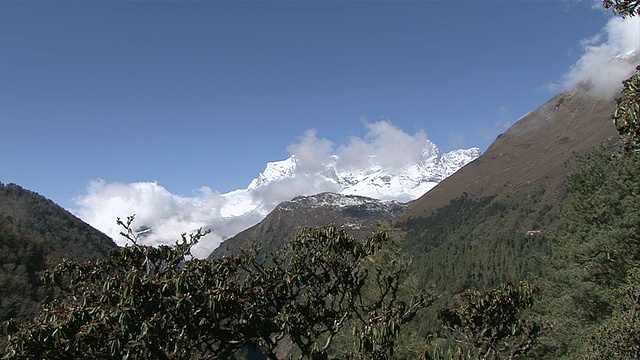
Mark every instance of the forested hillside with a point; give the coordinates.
(36, 234)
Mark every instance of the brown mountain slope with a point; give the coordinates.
(539, 150)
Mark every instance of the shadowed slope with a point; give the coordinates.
(36, 234)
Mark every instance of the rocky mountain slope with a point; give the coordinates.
(358, 215)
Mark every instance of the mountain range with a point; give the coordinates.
(403, 183)
(467, 231)
(283, 180)
(531, 160)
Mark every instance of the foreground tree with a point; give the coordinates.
(627, 113)
(490, 324)
(158, 303)
(619, 336)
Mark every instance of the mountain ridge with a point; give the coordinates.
(540, 149)
(358, 215)
(396, 176)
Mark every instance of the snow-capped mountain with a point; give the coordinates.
(387, 175)
(401, 183)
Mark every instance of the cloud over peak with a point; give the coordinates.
(608, 59)
(168, 215)
(383, 145)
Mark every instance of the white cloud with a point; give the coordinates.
(608, 59)
(311, 152)
(169, 215)
(384, 145)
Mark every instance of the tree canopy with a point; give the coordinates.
(159, 303)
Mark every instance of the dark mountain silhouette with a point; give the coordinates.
(36, 234)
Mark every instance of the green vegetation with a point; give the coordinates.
(21, 260)
(157, 303)
(36, 234)
(491, 324)
(327, 294)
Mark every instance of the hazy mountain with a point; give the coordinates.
(36, 234)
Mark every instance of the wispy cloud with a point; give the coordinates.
(608, 59)
(456, 140)
(384, 145)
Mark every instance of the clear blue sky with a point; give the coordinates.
(201, 93)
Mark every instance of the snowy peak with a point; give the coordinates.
(275, 171)
(403, 182)
(382, 177)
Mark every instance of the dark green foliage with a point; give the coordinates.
(627, 114)
(430, 232)
(625, 8)
(21, 260)
(602, 215)
(599, 243)
(619, 336)
(490, 324)
(477, 243)
(65, 235)
(36, 234)
(157, 303)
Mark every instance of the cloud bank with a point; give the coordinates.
(384, 145)
(169, 215)
(608, 59)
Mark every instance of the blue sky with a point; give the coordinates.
(203, 93)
